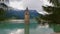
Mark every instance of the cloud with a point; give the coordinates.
(37, 5)
(32, 4)
(16, 4)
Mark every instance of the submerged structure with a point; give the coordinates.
(27, 19)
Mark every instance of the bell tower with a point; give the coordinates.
(27, 18)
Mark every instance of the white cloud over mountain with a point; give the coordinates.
(31, 4)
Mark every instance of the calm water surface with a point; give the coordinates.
(18, 28)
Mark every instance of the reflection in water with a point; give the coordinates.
(12, 31)
(38, 30)
(44, 29)
(17, 31)
(18, 28)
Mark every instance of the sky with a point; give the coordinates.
(31, 4)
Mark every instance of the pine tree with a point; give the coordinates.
(55, 10)
(2, 11)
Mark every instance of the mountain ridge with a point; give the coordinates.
(20, 13)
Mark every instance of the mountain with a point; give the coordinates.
(19, 14)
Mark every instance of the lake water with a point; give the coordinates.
(18, 28)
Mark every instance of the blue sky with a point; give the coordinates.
(31, 4)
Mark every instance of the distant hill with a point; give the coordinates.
(19, 14)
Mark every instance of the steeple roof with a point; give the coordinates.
(27, 9)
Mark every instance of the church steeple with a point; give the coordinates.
(27, 11)
(27, 16)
